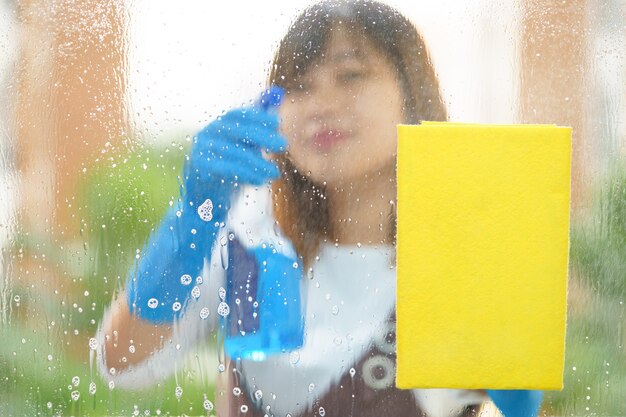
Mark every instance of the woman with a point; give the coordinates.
(351, 71)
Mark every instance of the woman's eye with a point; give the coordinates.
(350, 76)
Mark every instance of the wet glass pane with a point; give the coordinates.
(135, 177)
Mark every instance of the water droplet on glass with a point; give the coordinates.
(199, 280)
(185, 279)
(244, 408)
(195, 292)
(258, 394)
(176, 306)
(222, 293)
(236, 391)
(352, 372)
(131, 348)
(335, 310)
(224, 256)
(75, 381)
(204, 313)
(295, 265)
(111, 385)
(75, 395)
(49, 404)
(93, 343)
(221, 367)
(311, 387)
(294, 358)
(208, 405)
(205, 210)
(92, 388)
(322, 412)
(153, 303)
(178, 392)
(223, 309)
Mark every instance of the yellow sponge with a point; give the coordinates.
(482, 255)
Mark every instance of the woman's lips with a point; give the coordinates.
(327, 138)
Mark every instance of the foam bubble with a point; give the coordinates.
(205, 210)
(223, 309)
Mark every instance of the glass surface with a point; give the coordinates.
(101, 102)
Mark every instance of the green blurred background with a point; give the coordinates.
(122, 199)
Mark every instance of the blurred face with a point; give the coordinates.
(341, 120)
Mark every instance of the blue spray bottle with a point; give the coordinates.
(263, 289)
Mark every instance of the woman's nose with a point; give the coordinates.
(324, 102)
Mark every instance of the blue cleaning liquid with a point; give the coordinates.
(264, 288)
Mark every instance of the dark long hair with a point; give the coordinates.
(300, 205)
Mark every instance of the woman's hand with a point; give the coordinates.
(517, 403)
(224, 154)
(228, 152)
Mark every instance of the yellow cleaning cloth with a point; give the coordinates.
(482, 255)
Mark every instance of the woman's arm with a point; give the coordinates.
(160, 296)
(133, 353)
(163, 300)
(129, 340)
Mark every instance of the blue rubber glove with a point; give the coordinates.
(517, 403)
(224, 154)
